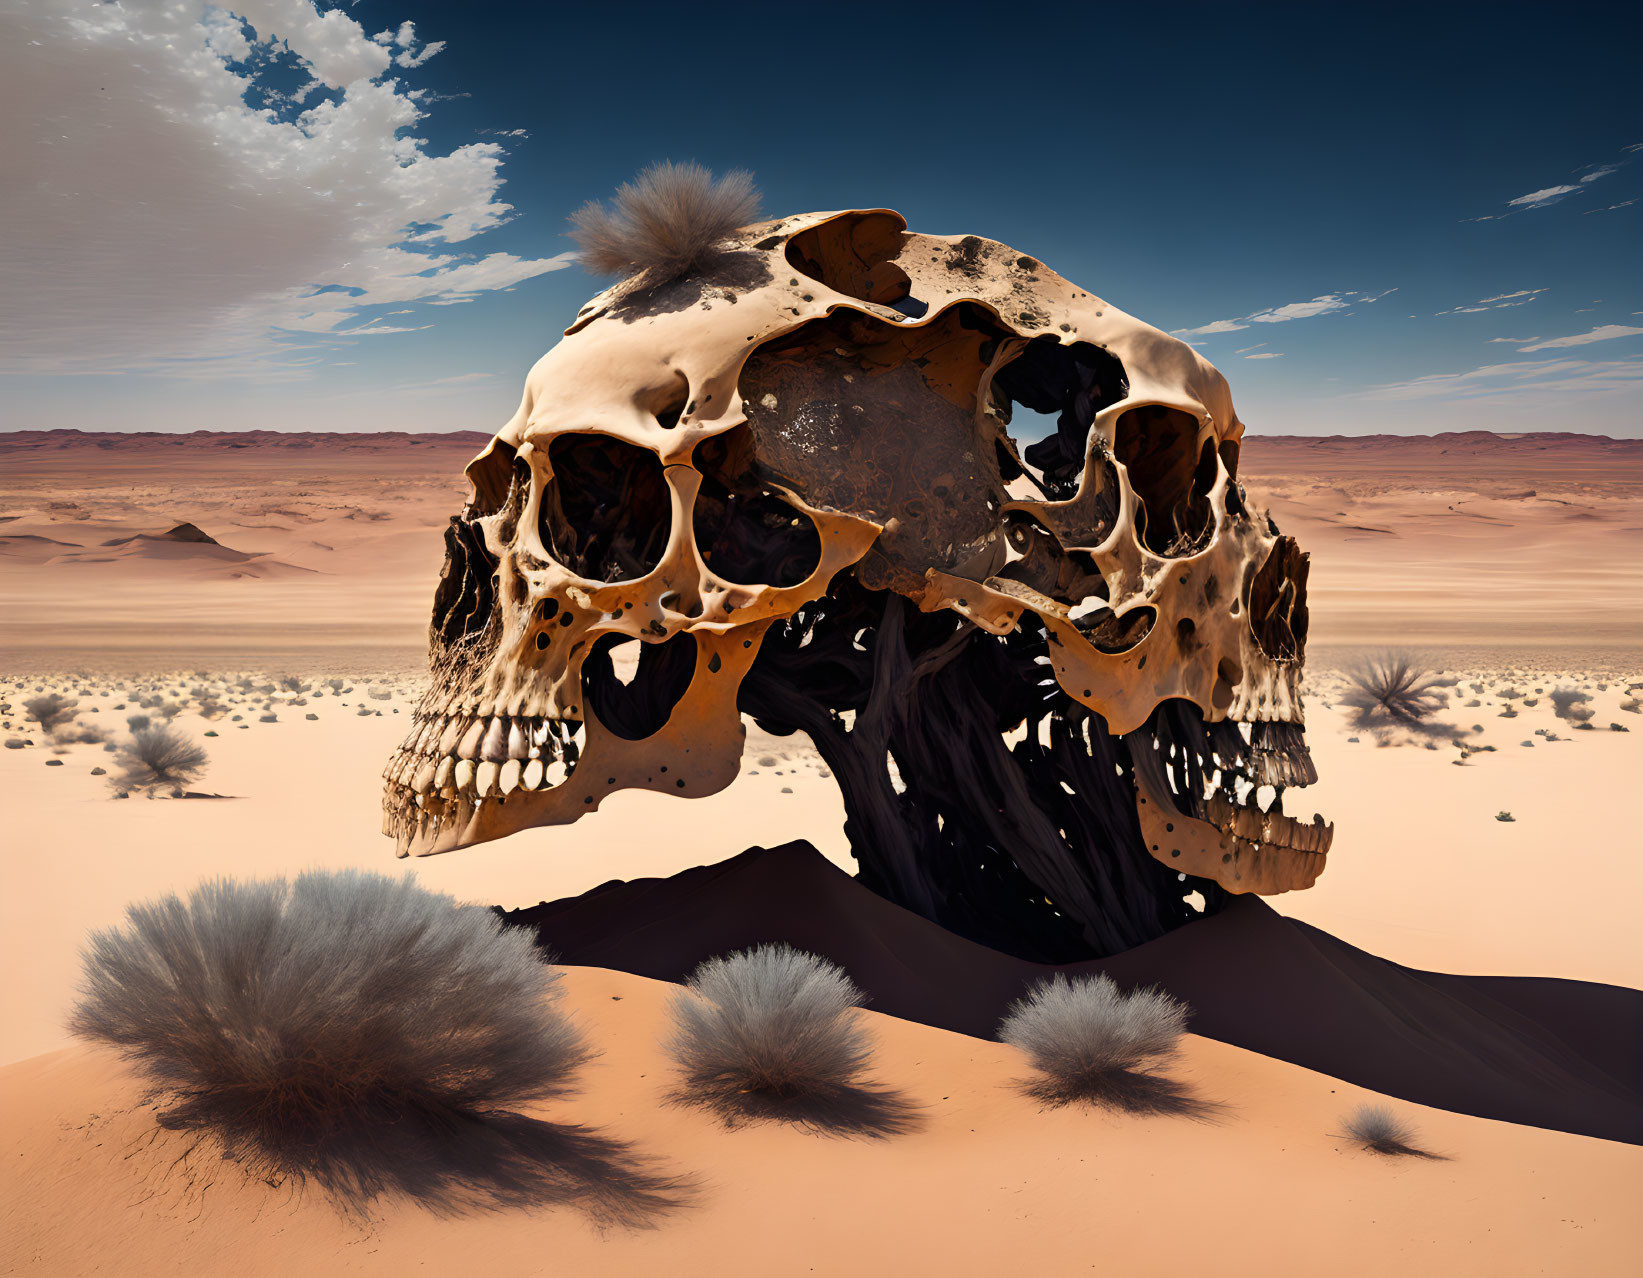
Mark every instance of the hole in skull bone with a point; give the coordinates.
(1063, 387)
(1071, 576)
(854, 255)
(855, 414)
(639, 705)
(1111, 633)
(605, 510)
(745, 532)
(1277, 602)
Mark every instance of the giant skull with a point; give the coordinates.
(1055, 683)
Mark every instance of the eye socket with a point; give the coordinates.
(605, 510)
(746, 533)
(1169, 474)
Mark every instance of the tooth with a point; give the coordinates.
(519, 740)
(442, 774)
(424, 776)
(464, 775)
(555, 773)
(469, 747)
(485, 778)
(494, 749)
(507, 777)
(454, 728)
(531, 778)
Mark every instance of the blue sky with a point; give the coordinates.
(1371, 218)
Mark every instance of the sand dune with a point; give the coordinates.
(991, 1178)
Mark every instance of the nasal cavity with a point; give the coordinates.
(635, 700)
(605, 508)
(1277, 602)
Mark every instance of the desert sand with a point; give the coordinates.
(991, 1177)
(321, 560)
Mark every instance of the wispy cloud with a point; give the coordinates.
(1610, 208)
(1555, 376)
(1255, 347)
(1266, 355)
(1515, 341)
(1602, 333)
(1501, 302)
(1324, 305)
(1547, 196)
(270, 222)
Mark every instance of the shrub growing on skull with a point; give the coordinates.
(772, 1032)
(1089, 1041)
(331, 1027)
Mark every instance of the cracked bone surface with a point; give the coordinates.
(791, 477)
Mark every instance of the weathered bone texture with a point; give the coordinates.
(1050, 680)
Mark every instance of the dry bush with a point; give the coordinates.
(666, 223)
(360, 1032)
(1379, 1130)
(1091, 1042)
(51, 711)
(158, 757)
(1392, 692)
(1569, 704)
(770, 1032)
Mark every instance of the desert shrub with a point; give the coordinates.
(1569, 704)
(380, 694)
(291, 683)
(156, 757)
(771, 1032)
(50, 711)
(1379, 1130)
(359, 1031)
(666, 222)
(72, 733)
(1089, 1041)
(137, 722)
(1392, 690)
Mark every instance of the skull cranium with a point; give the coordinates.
(790, 476)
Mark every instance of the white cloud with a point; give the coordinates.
(1600, 172)
(1541, 198)
(1509, 381)
(1602, 333)
(1500, 302)
(1217, 326)
(1610, 208)
(1266, 355)
(165, 223)
(1515, 341)
(1302, 310)
(1282, 314)
(1255, 347)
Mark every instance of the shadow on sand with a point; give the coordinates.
(858, 1110)
(454, 1164)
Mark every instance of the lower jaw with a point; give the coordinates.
(1188, 777)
